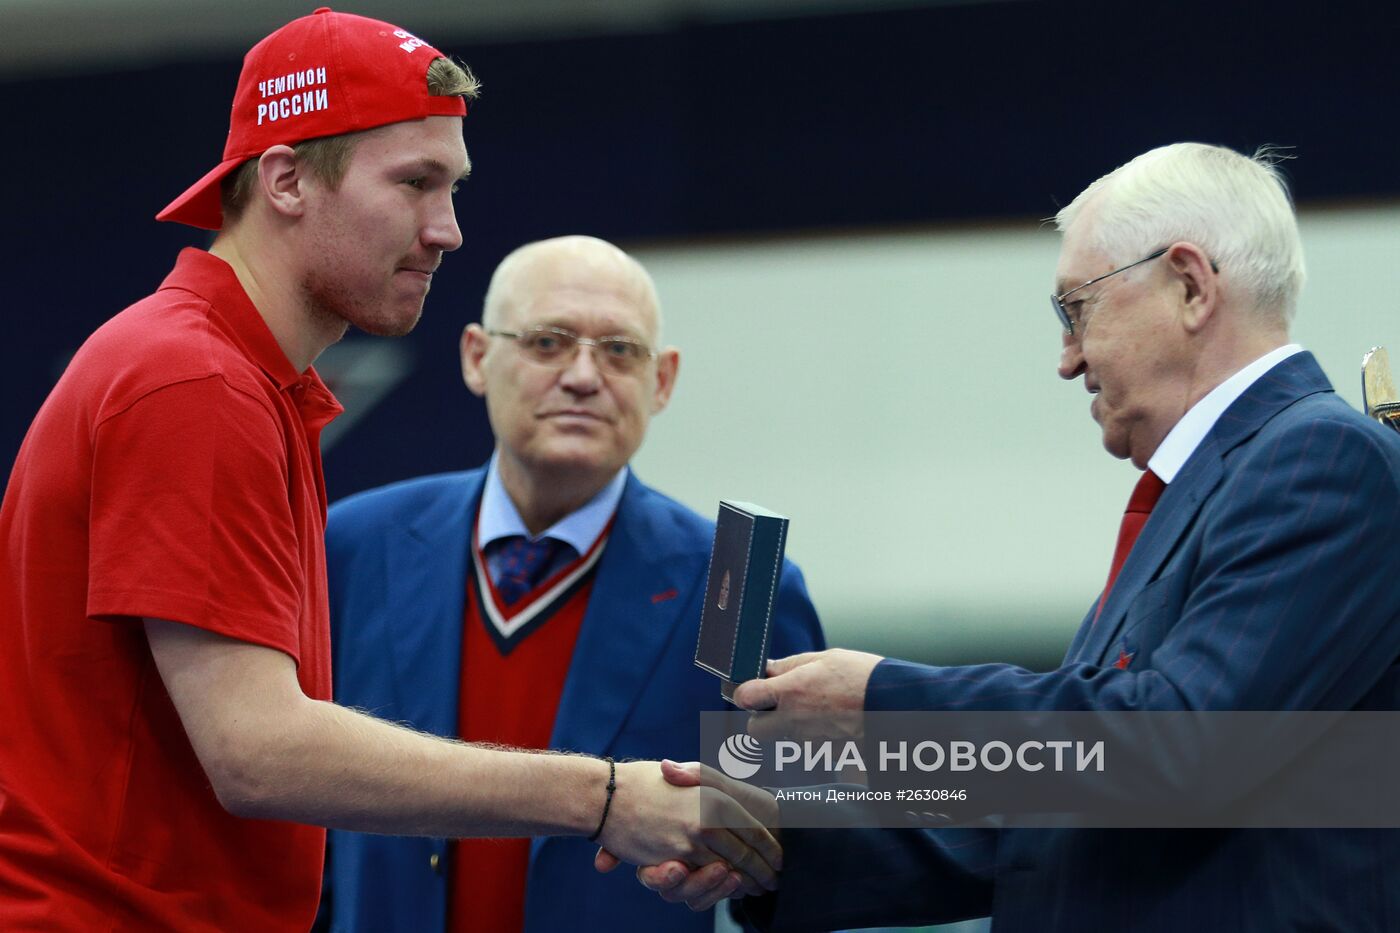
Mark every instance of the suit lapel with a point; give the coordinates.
(1172, 517)
(1295, 377)
(427, 594)
(624, 629)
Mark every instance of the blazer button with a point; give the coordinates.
(435, 863)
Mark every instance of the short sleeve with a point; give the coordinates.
(191, 516)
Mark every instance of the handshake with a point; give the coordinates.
(732, 850)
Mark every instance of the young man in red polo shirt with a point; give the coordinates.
(163, 616)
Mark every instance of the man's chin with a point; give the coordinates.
(573, 460)
(1117, 447)
(389, 326)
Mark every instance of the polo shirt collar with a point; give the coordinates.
(214, 280)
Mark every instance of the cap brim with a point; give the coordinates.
(201, 204)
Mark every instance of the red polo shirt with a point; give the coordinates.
(174, 472)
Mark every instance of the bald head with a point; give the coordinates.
(566, 422)
(569, 261)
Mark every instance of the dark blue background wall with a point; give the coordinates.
(998, 110)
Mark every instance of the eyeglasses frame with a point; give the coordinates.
(579, 341)
(1057, 301)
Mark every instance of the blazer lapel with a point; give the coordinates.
(1171, 518)
(1286, 383)
(427, 595)
(624, 629)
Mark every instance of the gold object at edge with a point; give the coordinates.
(1378, 395)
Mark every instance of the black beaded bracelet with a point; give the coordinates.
(607, 805)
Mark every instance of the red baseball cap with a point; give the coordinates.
(321, 75)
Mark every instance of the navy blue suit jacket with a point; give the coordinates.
(1265, 579)
(398, 559)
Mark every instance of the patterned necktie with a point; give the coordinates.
(1145, 495)
(523, 564)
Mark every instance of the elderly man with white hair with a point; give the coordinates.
(1238, 583)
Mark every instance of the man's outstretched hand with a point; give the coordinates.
(700, 887)
(815, 694)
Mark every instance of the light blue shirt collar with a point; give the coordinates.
(1183, 439)
(498, 517)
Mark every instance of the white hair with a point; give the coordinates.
(1234, 207)
(581, 255)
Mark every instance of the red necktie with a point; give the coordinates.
(1145, 495)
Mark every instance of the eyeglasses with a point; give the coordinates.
(557, 347)
(1058, 301)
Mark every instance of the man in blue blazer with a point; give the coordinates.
(445, 616)
(1263, 578)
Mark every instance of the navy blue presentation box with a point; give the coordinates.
(745, 565)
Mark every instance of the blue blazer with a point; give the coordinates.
(398, 559)
(1265, 579)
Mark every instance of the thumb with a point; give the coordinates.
(698, 774)
(681, 775)
(605, 861)
(792, 662)
(756, 695)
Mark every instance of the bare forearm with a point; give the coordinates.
(341, 768)
(271, 752)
